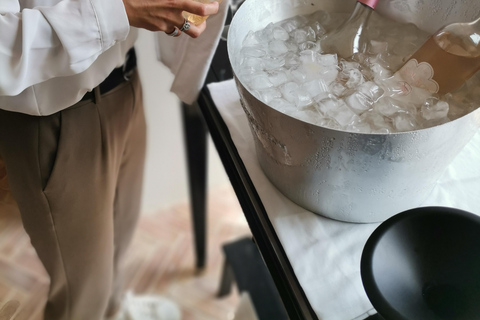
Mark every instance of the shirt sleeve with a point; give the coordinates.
(44, 42)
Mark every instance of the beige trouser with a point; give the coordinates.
(77, 177)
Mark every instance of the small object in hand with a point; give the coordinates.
(196, 19)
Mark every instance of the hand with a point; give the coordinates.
(165, 15)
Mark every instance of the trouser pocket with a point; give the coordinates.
(49, 131)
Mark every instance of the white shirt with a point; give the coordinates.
(53, 51)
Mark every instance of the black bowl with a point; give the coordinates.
(424, 264)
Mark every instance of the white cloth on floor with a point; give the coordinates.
(325, 254)
(147, 307)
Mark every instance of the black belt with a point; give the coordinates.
(116, 77)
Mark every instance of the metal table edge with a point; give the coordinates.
(294, 298)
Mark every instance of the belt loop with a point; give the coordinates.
(97, 95)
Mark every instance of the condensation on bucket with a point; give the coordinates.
(350, 176)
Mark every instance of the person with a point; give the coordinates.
(72, 139)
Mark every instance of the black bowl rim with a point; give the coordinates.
(381, 305)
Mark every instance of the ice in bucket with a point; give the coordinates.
(285, 65)
(347, 173)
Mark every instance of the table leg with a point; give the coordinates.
(196, 149)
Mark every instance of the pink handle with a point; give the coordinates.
(370, 3)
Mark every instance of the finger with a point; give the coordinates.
(201, 9)
(195, 31)
(174, 18)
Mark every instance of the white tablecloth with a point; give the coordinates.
(325, 254)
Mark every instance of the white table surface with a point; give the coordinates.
(325, 254)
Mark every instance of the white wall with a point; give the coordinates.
(165, 173)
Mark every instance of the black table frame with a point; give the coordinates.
(292, 294)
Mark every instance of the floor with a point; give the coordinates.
(160, 261)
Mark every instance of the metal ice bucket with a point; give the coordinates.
(345, 176)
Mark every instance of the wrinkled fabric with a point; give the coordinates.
(53, 51)
(188, 58)
(325, 254)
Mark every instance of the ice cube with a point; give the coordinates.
(434, 109)
(294, 23)
(280, 34)
(260, 82)
(358, 125)
(292, 46)
(300, 35)
(250, 39)
(274, 63)
(278, 77)
(318, 28)
(288, 25)
(281, 105)
(328, 74)
(328, 60)
(291, 60)
(299, 74)
(379, 72)
(268, 95)
(321, 96)
(395, 86)
(305, 34)
(289, 91)
(253, 63)
(359, 102)
(461, 103)
(316, 87)
(265, 35)
(371, 90)
(309, 45)
(350, 73)
(326, 122)
(337, 88)
(252, 52)
(355, 78)
(376, 120)
(309, 56)
(387, 107)
(246, 73)
(277, 47)
(348, 65)
(404, 122)
(314, 69)
(302, 98)
(337, 110)
(360, 58)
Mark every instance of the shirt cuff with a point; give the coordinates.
(112, 20)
